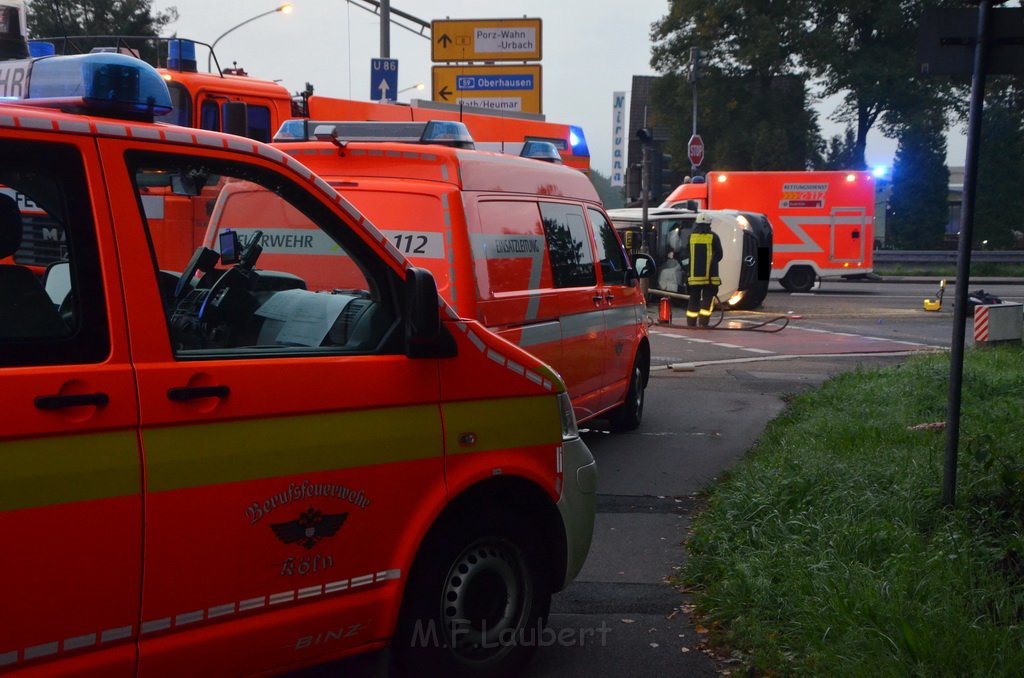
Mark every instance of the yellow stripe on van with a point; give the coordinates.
(224, 452)
(502, 423)
(64, 469)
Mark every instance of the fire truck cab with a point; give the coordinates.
(211, 466)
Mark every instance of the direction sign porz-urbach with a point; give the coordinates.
(486, 40)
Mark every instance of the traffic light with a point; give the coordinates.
(693, 71)
(663, 179)
(645, 134)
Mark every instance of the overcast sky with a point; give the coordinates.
(590, 48)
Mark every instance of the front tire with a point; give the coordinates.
(476, 602)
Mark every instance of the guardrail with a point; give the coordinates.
(947, 257)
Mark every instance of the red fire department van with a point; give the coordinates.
(209, 467)
(522, 246)
(823, 222)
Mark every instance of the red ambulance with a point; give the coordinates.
(823, 222)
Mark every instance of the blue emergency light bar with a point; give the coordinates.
(578, 142)
(541, 150)
(443, 132)
(107, 84)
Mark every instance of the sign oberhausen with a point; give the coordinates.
(485, 40)
(501, 88)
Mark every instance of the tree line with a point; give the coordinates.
(763, 64)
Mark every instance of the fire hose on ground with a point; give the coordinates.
(717, 314)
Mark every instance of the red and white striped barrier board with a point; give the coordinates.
(998, 323)
(981, 323)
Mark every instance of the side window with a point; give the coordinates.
(259, 123)
(510, 249)
(279, 274)
(209, 115)
(613, 261)
(572, 260)
(181, 110)
(51, 295)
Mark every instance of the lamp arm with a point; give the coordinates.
(234, 28)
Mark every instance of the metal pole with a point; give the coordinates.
(963, 266)
(694, 84)
(645, 187)
(694, 72)
(693, 168)
(385, 29)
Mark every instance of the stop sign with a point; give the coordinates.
(695, 150)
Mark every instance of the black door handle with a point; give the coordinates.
(192, 392)
(57, 402)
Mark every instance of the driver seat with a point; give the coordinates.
(26, 311)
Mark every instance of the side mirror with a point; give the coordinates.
(693, 205)
(644, 266)
(422, 320)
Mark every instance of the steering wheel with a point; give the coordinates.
(217, 302)
(203, 259)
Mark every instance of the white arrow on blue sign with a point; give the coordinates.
(383, 79)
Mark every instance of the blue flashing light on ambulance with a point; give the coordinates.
(263, 463)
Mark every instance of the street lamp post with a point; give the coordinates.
(286, 8)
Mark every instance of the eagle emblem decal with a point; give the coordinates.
(309, 528)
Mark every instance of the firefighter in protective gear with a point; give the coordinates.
(705, 250)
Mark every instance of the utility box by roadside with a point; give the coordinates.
(998, 323)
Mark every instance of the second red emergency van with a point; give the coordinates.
(522, 246)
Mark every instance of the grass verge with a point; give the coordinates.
(826, 551)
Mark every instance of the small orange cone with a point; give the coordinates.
(665, 310)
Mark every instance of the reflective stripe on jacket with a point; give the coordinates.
(705, 252)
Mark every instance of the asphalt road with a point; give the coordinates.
(710, 396)
(702, 415)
